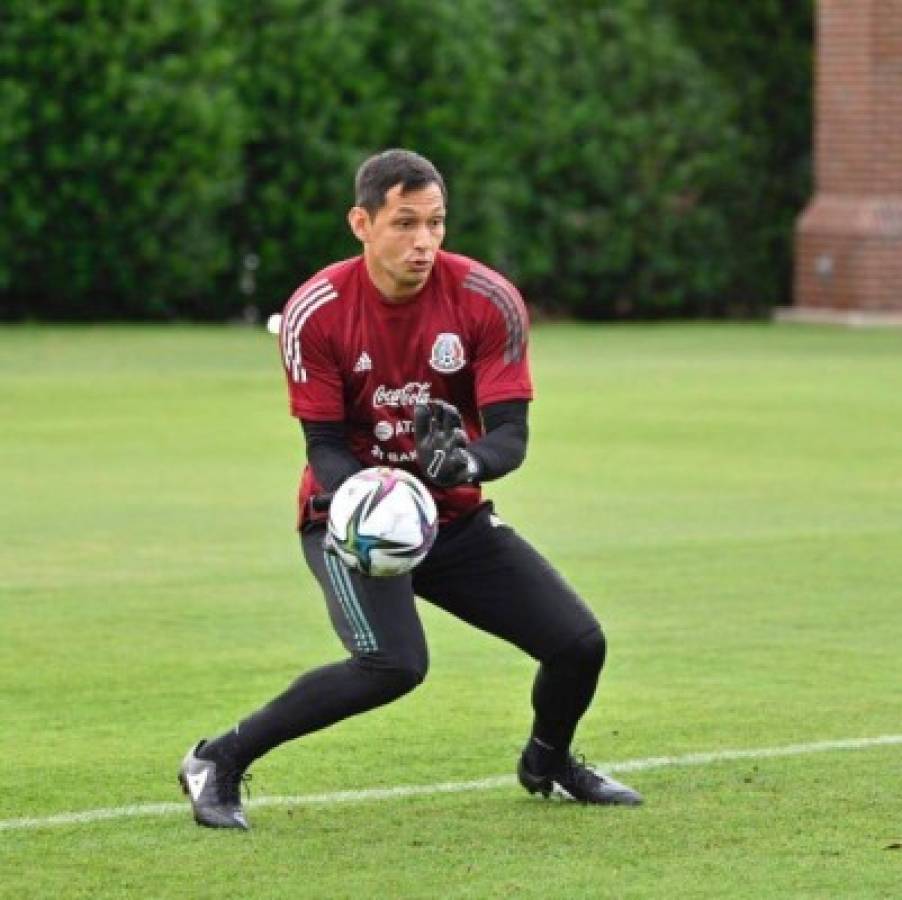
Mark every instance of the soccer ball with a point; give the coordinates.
(382, 522)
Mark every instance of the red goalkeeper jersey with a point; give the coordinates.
(352, 356)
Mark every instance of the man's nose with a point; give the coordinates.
(422, 237)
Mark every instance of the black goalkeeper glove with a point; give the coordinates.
(441, 442)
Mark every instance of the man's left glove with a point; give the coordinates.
(441, 444)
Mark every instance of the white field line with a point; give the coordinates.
(88, 816)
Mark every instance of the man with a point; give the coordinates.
(414, 357)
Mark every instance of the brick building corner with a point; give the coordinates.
(849, 239)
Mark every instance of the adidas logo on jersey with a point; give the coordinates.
(364, 363)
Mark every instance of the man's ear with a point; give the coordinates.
(359, 220)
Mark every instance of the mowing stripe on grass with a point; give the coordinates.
(450, 787)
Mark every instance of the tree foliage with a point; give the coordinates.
(121, 152)
(763, 54)
(630, 146)
(190, 159)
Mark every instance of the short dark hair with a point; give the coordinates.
(380, 173)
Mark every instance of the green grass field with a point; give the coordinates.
(729, 499)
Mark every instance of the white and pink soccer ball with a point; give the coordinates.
(382, 522)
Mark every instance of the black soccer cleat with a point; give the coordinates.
(214, 791)
(576, 781)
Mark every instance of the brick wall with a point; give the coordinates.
(849, 239)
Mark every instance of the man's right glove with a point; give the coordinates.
(441, 442)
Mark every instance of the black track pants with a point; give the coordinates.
(479, 570)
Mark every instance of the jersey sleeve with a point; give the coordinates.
(314, 381)
(501, 361)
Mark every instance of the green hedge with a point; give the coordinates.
(326, 88)
(122, 151)
(193, 159)
(316, 105)
(763, 54)
(630, 146)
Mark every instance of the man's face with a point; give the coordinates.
(401, 240)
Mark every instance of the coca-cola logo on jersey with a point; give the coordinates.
(412, 392)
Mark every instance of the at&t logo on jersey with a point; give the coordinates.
(447, 353)
(412, 392)
(385, 431)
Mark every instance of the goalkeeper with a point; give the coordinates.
(411, 356)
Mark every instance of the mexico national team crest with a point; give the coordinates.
(447, 354)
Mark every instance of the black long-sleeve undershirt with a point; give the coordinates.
(328, 453)
(500, 450)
